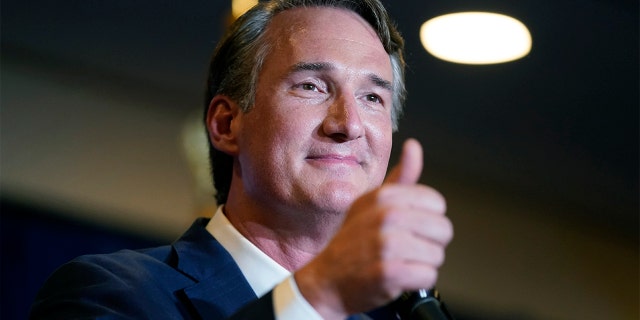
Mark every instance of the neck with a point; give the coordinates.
(290, 237)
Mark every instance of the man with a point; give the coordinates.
(303, 97)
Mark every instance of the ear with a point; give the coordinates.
(221, 124)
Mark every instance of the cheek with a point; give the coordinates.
(381, 142)
(294, 126)
(277, 136)
(380, 133)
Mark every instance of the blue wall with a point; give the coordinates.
(35, 241)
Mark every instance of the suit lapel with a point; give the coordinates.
(220, 289)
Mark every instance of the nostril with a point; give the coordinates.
(343, 127)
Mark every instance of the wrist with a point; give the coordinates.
(320, 293)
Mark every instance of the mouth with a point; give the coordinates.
(334, 159)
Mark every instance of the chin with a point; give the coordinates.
(336, 199)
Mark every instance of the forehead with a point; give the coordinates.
(320, 33)
(298, 19)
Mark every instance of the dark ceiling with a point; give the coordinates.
(560, 124)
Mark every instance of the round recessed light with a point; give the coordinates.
(239, 7)
(476, 38)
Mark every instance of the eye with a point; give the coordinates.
(373, 98)
(309, 86)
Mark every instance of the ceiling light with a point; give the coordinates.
(238, 7)
(476, 38)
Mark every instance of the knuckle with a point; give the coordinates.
(431, 277)
(383, 193)
(439, 201)
(448, 231)
(438, 257)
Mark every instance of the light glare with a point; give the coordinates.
(476, 38)
(239, 7)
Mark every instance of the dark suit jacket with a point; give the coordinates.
(194, 278)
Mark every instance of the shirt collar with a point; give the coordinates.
(262, 272)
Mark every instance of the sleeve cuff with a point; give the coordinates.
(289, 304)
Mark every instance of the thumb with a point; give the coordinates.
(409, 169)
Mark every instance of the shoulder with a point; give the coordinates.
(152, 283)
(124, 284)
(131, 265)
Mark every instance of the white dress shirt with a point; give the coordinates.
(262, 272)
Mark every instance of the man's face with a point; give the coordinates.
(319, 134)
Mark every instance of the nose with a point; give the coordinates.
(343, 122)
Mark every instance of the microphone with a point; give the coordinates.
(423, 304)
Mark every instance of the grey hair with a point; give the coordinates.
(240, 54)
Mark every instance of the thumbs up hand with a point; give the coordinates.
(410, 167)
(392, 240)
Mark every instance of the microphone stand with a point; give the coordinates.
(423, 304)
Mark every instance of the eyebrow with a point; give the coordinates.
(385, 84)
(323, 66)
(311, 66)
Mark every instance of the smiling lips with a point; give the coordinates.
(336, 159)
